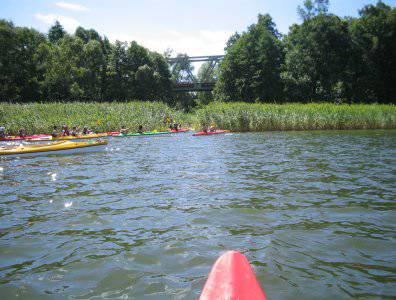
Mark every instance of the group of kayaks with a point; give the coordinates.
(68, 143)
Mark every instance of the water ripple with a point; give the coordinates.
(313, 211)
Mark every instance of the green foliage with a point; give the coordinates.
(56, 32)
(315, 66)
(106, 116)
(312, 8)
(251, 69)
(326, 58)
(321, 116)
(100, 117)
(373, 38)
(79, 67)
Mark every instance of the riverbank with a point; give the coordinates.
(101, 117)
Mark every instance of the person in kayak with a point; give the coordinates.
(2, 133)
(212, 127)
(65, 130)
(55, 133)
(140, 129)
(74, 131)
(22, 132)
(86, 131)
(205, 128)
(176, 127)
(123, 130)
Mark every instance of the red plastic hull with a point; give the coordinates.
(26, 137)
(113, 133)
(180, 130)
(232, 278)
(210, 132)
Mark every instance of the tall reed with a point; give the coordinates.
(105, 116)
(319, 116)
(100, 117)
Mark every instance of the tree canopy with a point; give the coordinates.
(324, 58)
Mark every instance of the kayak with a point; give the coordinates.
(56, 147)
(210, 132)
(113, 132)
(232, 278)
(180, 130)
(26, 137)
(72, 137)
(142, 134)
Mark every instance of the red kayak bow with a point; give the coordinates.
(210, 132)
(232, 278)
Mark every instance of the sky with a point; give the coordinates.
(199, 27)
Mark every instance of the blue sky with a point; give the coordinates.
(197, 27)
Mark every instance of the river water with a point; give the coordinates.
(314, 212)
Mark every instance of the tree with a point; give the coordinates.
(9, 90)
(162, 77)
(312, 8)
(251, 69)
(30, 73)
(374, 47)
(316, 60)
(117, 72)
(87, 35)
(90, 78)
(64, 72)
(56, 32)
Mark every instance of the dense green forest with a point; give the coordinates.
(324, 59)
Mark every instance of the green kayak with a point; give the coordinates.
(142, 134)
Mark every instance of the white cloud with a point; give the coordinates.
(71, 6)
(69, 24)
(201, 42)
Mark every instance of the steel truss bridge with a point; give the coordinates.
(191, 83)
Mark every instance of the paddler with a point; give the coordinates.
(205, 128)
(86, 131)
(22, 132)
(2, 133)
(212, 127)
(140, 129)
(65, 130)
(123, 130)
(73, 132)
(55, 133)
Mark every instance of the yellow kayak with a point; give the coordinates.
(60, 146)
(72, 137)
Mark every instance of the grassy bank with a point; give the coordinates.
(263, 117)
(39, 118)
(100, 117)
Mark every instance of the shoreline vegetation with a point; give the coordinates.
(241, 117)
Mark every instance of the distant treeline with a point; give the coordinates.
(324, 59)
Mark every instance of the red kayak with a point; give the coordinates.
(180, 130)
(232, 278)
(26, 137)
(210, 132)
(113, 133)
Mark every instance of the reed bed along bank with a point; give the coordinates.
(109, 116)
(98, 116)
(321, 116)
